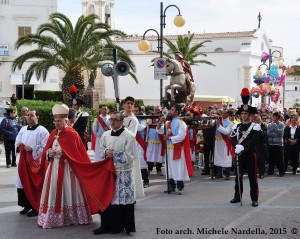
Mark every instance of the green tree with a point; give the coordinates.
(84, 47)
(296, 69)
(190, 53)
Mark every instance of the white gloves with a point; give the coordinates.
(239, 148)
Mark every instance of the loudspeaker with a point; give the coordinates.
(122, 68)
(107, 69)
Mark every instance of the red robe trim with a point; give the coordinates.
(186, 147)
(93, 143)
(230, 148)
(143, 144)
(101, 121)
(32, 177)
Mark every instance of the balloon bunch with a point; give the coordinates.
(268, 83)
(259, 78)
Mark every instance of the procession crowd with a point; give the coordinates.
(57, 181)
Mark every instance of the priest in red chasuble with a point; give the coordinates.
(73, 188)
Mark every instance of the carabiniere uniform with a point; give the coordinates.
(247, 135)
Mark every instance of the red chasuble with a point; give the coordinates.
(96, 179)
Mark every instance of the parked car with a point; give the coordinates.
(3, 108)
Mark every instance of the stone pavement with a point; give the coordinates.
(203, 211)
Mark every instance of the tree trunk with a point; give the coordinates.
(67, 81)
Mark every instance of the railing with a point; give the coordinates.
(4, 2)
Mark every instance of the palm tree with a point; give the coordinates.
(84, 47)
(190, 53)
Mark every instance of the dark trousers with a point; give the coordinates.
(220, 171)
(157, 166)
(9, 146)
(291, 152)
(250, 165)
(172, 185)
(116, 218)
(276, 158)
(262, 155)
(145, 177)
(22, 199)
(208, 152)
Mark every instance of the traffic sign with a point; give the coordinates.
(160, 70)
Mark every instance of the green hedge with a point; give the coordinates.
(45, 110)
(48, 95)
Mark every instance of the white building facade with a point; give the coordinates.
(17, 18)
(236, 56)
(292, 90)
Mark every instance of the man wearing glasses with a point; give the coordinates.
(119, 144)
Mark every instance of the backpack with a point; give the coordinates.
(1, 134)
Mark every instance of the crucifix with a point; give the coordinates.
(259, 19)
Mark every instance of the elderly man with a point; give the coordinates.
(119, 145)
(73, 187)
(32, 139)
(22, 120)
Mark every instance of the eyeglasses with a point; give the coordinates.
(114, 120)
(264, 118)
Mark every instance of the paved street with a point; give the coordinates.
(203, 211)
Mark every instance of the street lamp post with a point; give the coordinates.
(268, 66)
(144, 45)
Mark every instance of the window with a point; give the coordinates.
(91, 9)
(24, 31)
(296, 88)
(219, 49)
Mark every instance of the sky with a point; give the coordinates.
(280, 19)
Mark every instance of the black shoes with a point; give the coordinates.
(145, 185)
(24, 211)
(32, 213)
(8, 165)
(100, 230)
(254, 204)
(235, 200)
(281, 174)
(14, 165)
(205, 173)
(171, 190)
(261, 176)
